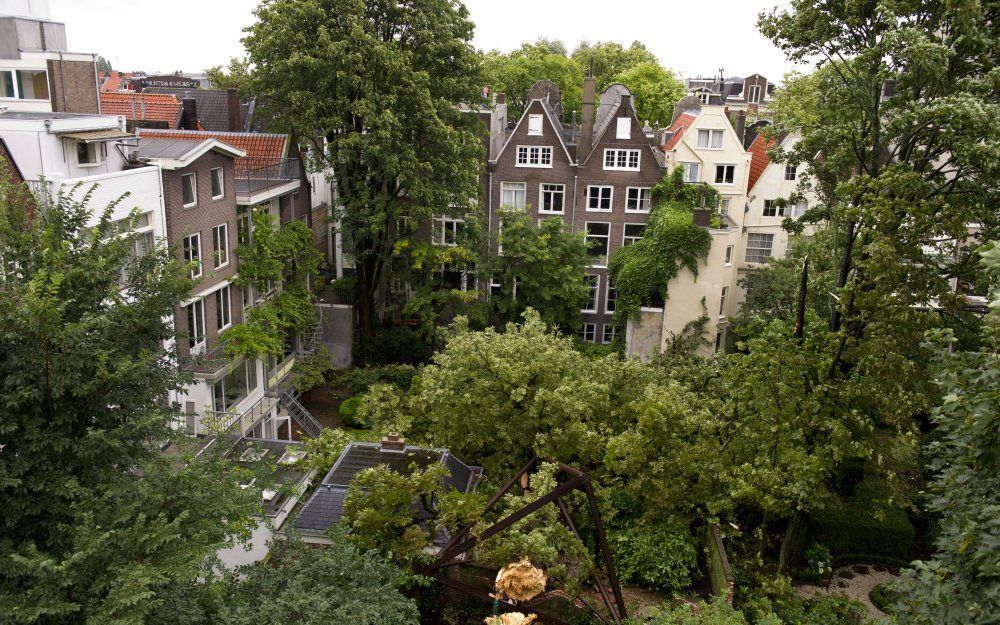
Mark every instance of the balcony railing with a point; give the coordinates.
(207, 361)
(254, 176)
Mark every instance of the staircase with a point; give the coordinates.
(313, 337)
(299, 414)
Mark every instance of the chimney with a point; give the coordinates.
(740, 126)
(587, 117)
(189, 114)
(393, 442)
(235, 109)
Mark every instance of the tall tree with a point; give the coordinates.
(656, 90)
(515, 72)
(96, 522)
(235, 74)
(103, 65)
(375, 86)
(609, 59)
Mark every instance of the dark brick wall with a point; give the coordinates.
(73, 86)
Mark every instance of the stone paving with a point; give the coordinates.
(856, 581)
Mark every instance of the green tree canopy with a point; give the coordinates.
(237, 74)
(515, 72)
(655, 88)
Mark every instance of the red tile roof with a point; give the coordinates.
(261, 148)
(759, 159)
(680, 125)
(142, 106)
(114, 81)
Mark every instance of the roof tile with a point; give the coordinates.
(262, 148)
(759, 160)
(142, 106)
(679, 127)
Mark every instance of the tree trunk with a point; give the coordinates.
(800, 313)
(364, 302)
(794, 542)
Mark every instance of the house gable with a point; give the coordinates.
(551, 132)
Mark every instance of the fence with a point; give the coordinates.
(256, 176)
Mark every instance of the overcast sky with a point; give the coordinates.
(692, 37)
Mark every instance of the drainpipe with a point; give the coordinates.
(489, 209)
(62, 81)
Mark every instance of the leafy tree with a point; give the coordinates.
(611, 59)
(374, 88)
(656, 90)
(97, 523)
(548, 265)
(238, 74)
(103, 65)
(515, 72)
(959, 583)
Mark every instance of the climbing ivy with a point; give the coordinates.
(671, 242)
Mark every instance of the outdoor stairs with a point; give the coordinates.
(313, 338)
(299, 414)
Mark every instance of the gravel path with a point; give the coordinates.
(856, 581)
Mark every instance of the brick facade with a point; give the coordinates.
(73, 86)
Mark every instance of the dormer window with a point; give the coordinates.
(624, 128)
(535, 125)
(753, 93)
(703, 97)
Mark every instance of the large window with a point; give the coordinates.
(725, 174)
(621, 159)
(534, 156)
(24, 84)
(593, 293)
(588, 332)
(710, 139)
(773, 209)
(512, 195)
(552, 198)
(753, 94)
(87, 153)
(633, 233)
(220, 245)
(598, 235)
(235, 386)
(445, 230)
(218, 188)
(599, 198)
(637, 199)
(223, 312)
(534, 125)
(759, 247)
(189, 189)
(192, 253)
(692, 172)
(196, 324)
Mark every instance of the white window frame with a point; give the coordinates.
(717, 166)
(710, 134)
(542, 191)
(222, 182)
(722, 301)
(615, 154)
(514, 187)
(703, 97)
(640, 200)
(607, 238)
(688, 167)
(194, 188)
(440, 226)
(93, 151)
(17, 95)
(535, 125)
(629, 240)
(610, 303)
(600, 198)
(759, 253)
(604, 333)
(753, 94)
(223, 301)
(588, 328)
(624, 128)
(525, 158)
(218, 252)
(196, 317)
(593, 292)
(793, 170)
(773, 208)
(722, 204)
(196, 236)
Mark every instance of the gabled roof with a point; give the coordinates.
(175, 153)
(212, 106)
(113, 81)
(759, 159)
(553, 121)
(260, 148)
(679, 127)
(158, 107)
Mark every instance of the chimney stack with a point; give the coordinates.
(740, 126)
(189, 114)
(235, 110)
(587, 117)
(393, 442)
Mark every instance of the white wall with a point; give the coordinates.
(38, 9)
(40, 152)
(143, 186)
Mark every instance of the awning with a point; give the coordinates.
(89, 136)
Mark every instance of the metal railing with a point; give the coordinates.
(254, 176)
(208, 361)
(232, 426)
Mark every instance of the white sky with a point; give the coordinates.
(691, 37)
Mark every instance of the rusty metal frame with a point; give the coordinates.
(462, 543)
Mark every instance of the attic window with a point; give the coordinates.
(535, 125)
(753, 93)
(624, 128)
(703, 97)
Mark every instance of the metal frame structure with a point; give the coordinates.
(462, 543)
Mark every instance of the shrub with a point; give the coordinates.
(349, 412)
(853, 529)
(361, 379)
(883, 595)
(715, 613)
(659, 556)
(397, 345)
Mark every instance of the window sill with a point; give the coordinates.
(549, 166)
(637, 211)
(88, 165)
(599, 210)
(189, 205)
(562, 212)
(606, 168)
(219, 197)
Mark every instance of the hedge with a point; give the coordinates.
(657, 556)
(852, 528)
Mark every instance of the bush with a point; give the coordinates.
(397, 345)
(349, 413)
(715, 613)
(882, 596)
(658, 556)
(853, 529)
(361, 379)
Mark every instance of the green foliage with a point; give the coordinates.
(349, 412)
(515, 72)
(883, 596)
(103, 65)
(656, 90)
(547, 263)
(717, 612)
(311, 371)
(324, 450)
(611, 59)
(864, 524)
(671, 242)
(659, 556)
(237, 74)
(399, 345)
(360, 379)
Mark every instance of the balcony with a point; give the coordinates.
(258, 180)
(207, 361)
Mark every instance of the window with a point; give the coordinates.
(220, 245)
(599, 198)
(637, 199)
(189, 189)
(729, 254)
(772, 209)
(725, 174)
(598, 234)
(633, 233)
(196, 324)
(512, 195)
(722, 301)
(722, 205)
(593, 293)
(534, 156)
(24, 84)
(534, 124)
(192, 253)
(218, 190)
(223, 315)
(710, 139)
(608, 336)
(692, 172)
(445, 230)
(624, 130)
(234, 387)
(621, 159)
(552, 198)
(7, 84)
(611, 301)
(242, 225)
(758, 247)
(588, 332)
(718, 342)
(800, 207)
(86, 153)
(791, 171)
(753, 93)
(703, 97)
